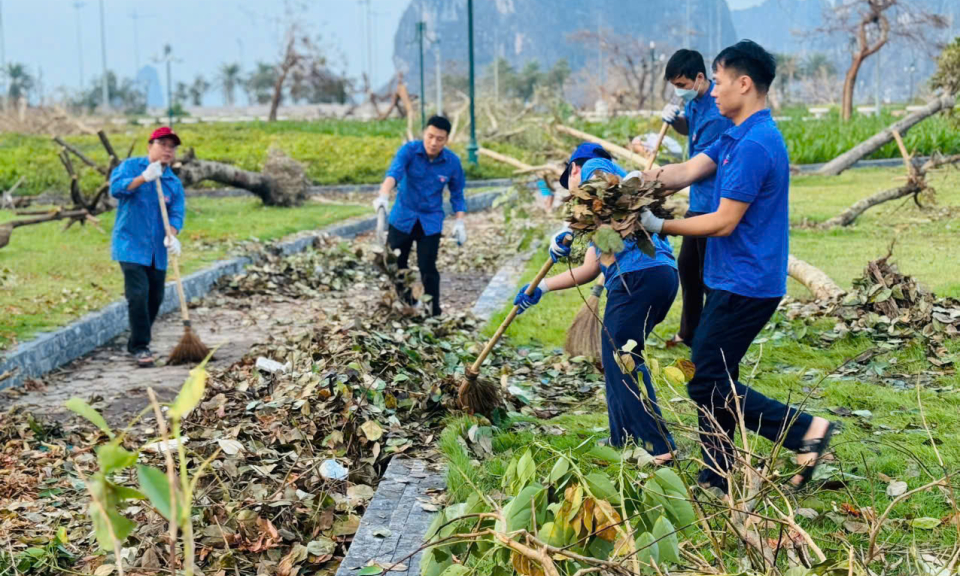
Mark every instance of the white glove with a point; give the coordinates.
(172, 244)
(153, 171)
(381, 202)
(460, 232)
(634, 174)
(670, 113)
(650, 223)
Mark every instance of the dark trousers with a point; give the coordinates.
(427, 249)
(729, 324)
(690, 267)
(636, 303)
(143, 287)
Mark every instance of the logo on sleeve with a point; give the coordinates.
(443, 179)
(726, 160)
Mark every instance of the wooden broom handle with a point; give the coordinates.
(173, 259)
(656, 149)
(513, 314)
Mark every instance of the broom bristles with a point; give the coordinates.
(190, 349)
(583, 338)
(478, 396)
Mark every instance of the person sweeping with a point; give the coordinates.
(745, 271)
(139, 243)
(701, 122)
(421, 170)
(640, 291)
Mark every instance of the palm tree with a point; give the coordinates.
(816, 64)
(19, 80)
(229, 79)
(199, 87)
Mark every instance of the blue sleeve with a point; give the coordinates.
(712, 129)
(457, 201)
(713, 151)
(747, 171)
(121, 177)
(178, 204)
(398, 167)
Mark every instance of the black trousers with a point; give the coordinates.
(143, 287)
(427, 249)
(690, 267)
(730, 323)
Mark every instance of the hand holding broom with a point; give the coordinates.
(478, 396)
(191, 348)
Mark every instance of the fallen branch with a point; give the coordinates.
(614, 149)
(6, 229)
(83, 158)
(814, 279)
(874, 143)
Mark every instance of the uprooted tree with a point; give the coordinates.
(281, 183)
(85, 206)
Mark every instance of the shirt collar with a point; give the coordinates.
(702, 99)
(422, 150)
(738, 132)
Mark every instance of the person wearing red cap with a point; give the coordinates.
(140, 244)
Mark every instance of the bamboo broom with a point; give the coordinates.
(190, 349)
(583, 337)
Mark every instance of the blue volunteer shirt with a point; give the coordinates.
(631, 258)
(420, 182)
(752, 167)
(138, 230)
(705, 125)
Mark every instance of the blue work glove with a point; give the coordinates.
(524, 301)
(559, 250)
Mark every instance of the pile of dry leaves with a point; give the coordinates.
(298, 433)
(608, 210)
(891, 309)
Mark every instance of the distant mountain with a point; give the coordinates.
(779, 25)
(525, 30)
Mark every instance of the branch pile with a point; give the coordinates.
(607, 210)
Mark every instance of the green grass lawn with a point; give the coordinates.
(49, 278)
(890, 440)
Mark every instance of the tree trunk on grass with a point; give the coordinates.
(815, 279)
(874, 143)
(278, 185)
(848, 216)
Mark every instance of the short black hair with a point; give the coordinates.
(748, 58)
(440, 123)
(685, 63)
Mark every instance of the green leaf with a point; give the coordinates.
(112, 457)
(526, 468)
(434, 562)
(126, 493)
(601, 487)
(666, 537)
(925, 523)
(90, 413)
(102, 524)
(154, 483)
(191, 393)
(561, 467)
(605, 454)
(371, 571)
(456, 570)
(510, 475)
(518, 512)
(648, 550)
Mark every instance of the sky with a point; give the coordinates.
(204, 34)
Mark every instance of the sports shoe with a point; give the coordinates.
(144, 358)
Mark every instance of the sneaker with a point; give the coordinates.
(144, 358)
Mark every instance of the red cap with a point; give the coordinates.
(164, 132)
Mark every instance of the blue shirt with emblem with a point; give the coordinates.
(138, 229)
(705, 125)
(420, 182)
(631, 258)
(752, 167)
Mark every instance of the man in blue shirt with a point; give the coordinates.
(702, 123)
(420, 171)
(745, 271)
(140, 244)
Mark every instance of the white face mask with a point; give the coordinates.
(688, 94)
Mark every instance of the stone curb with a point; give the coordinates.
(339, 188)
(50, 350)
(502, 287)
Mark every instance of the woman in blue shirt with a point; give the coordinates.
(640, 291)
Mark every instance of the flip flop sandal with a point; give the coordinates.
(675, 341)
(145, 359)
(816, 446)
